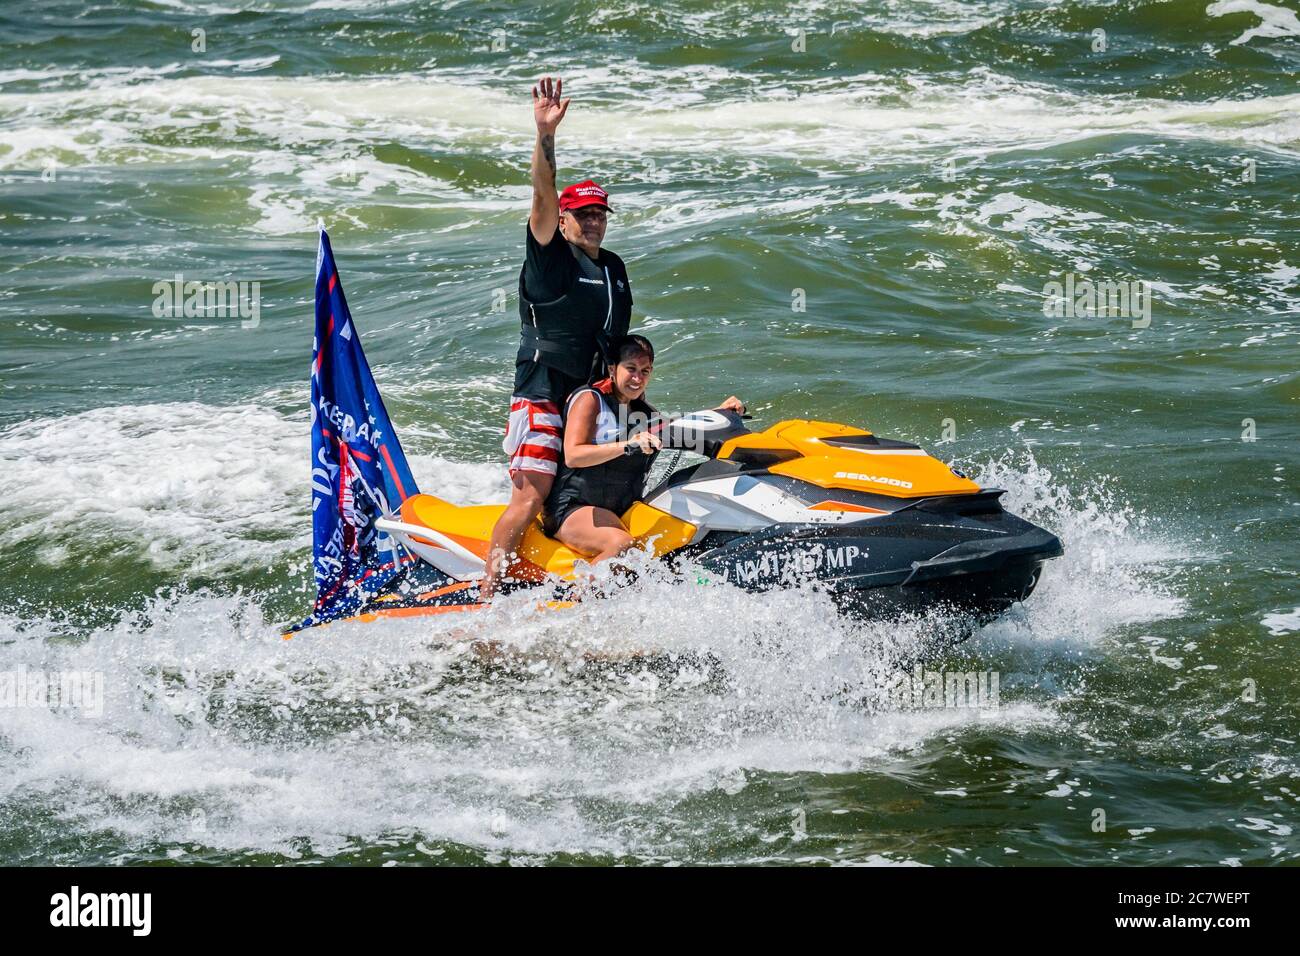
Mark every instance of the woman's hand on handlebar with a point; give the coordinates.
(649, 443)
(733, 404)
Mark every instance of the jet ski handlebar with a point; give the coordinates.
(703, 432)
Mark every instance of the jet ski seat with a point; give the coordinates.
(465, 531)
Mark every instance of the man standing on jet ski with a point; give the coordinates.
(574, 300)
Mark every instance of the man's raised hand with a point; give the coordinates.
(548, 108)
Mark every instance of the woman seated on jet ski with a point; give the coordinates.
(600, 475)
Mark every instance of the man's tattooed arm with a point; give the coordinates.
(548, 151)
(545, 215)
(548, 109)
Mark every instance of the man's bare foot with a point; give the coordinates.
(494, 571)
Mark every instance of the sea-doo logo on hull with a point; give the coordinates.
(874, 479)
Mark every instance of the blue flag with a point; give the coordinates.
(358, 470)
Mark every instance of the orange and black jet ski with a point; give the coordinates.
(878, 523)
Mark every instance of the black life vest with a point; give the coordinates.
(614, 485)
(573, 333)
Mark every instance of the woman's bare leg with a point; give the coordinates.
(595, 531)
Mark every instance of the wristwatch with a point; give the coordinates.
(631, 448)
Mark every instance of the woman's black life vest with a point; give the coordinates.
(617, 483)
(573, 333)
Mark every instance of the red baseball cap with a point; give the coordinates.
(585, 193)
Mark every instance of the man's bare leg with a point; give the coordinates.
(528, 491)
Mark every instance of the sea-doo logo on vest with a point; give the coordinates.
(875, 479)
(591, 281)
(788, 567)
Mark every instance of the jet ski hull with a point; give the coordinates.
(962, 554)
(960, 557)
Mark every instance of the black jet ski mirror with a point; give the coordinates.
(703, 432)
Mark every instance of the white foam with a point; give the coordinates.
(1282, 622)
(1274, 21)
(208, 709)
(185, 485)
(986, 113)
(309, 144)
(1118, 567)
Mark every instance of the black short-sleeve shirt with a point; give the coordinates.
(548, 272)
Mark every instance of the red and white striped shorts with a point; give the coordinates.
(533, 436)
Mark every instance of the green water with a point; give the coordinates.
(921, 170)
